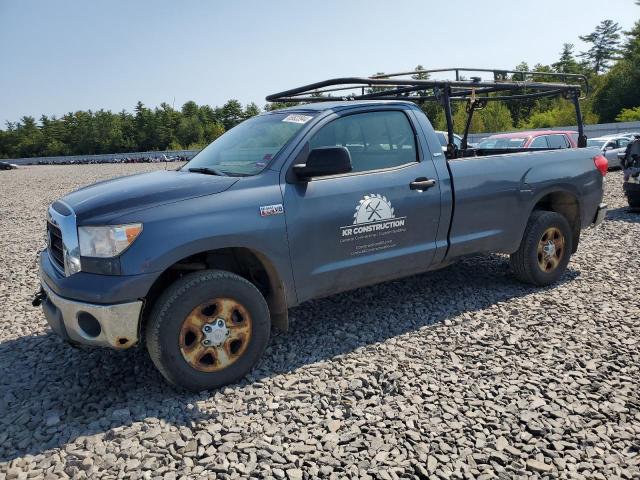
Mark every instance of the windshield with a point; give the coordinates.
(247, 148)
(595, 143)
(502, 143)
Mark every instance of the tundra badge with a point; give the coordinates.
(268, 210)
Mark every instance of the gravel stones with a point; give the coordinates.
(51, 419)
(458, 373)
(538, 466)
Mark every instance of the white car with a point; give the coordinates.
(630, 135)
(610, 147)
(457, 139)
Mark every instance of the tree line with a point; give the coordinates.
(611, 63)
(94, 132)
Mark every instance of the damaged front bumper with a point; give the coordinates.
(114, 326)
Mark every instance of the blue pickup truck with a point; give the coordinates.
(291, 205)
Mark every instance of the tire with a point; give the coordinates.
(528, 263)
(176, 338)
(633, 198)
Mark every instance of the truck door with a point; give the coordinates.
(376, 223)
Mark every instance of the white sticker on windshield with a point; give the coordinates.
(297, 118)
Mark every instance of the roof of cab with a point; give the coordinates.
(322, 106)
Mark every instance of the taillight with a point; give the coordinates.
(601, 163)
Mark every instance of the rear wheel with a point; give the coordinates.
(207, 330)
(545, 249)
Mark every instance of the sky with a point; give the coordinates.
(66, 55)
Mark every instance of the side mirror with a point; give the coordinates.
(609, 147)
(324, 161)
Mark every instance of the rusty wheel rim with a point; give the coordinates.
(215, 334)
(550, 249)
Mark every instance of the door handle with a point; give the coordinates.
(422, 183)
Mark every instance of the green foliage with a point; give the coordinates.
(522, 67)
(495, 117)
(251, 110)
(567, 62)
(629, 115)
(88, 132)
(232, 114)
(420, 75)
(432, 110)
(632, 44)
(521, 110)
(605, 45)
(438, 120)
(618, 89)
(460, 120)
(377, 89)
(272, 107)
(561, 114)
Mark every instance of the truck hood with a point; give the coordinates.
(136, 192)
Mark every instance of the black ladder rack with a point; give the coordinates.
(475, 91)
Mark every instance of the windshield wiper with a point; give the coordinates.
(208, 171)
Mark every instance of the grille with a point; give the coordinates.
(55, 245)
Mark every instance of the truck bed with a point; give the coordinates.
(489, 213)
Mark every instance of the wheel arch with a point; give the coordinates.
(249, 263)
(567, 204)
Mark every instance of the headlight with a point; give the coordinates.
(108, 241)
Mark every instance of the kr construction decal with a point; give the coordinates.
(374, 218)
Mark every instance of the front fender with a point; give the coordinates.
(226, 220)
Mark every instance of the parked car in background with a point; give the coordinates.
(611, 147)
(549, 139)
(7, 166)
(442, 138)
(630, 135)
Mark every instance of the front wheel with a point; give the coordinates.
(545, 249)
(208, 329)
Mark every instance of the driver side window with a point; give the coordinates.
(375, 140)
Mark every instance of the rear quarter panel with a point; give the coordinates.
(495, 195)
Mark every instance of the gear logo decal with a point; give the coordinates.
(374, 226)
(372, 208)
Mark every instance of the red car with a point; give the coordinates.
(534, 139)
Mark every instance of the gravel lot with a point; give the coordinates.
(460, 373)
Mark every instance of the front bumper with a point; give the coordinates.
(601, 212)
(94, 288)
(114, 326)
